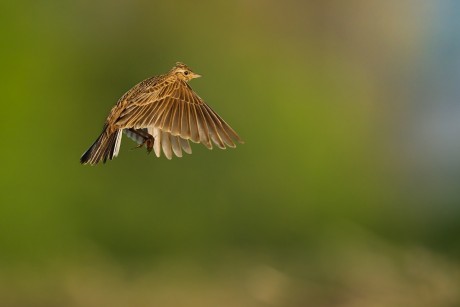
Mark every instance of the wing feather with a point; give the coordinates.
(142, 114)
(184, 126)
(176, 119)
(167, 117)
(192, 120)
(202, 127)
(166, 144)
(157, 144)
(225, 126)
(176, 147)
(222, 133)
(162, 111)
(185, 145)
(212, 129)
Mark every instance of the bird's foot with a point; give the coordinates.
(148, 140)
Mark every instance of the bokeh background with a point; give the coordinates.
(346, 192)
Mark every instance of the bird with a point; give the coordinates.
(164, 114)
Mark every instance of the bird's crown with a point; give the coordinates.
(181, 65)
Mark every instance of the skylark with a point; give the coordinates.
(163, 113)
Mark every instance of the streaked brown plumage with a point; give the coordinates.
(163, 113)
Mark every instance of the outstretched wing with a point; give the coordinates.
(176, 109)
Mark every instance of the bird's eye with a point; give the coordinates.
(186, 72)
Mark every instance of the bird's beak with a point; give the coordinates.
(194, 75)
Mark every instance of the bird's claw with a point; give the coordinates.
(149, 141)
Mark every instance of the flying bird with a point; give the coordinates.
(164, 114)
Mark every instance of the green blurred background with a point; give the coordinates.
(345, 193)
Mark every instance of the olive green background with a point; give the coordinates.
(337, 197)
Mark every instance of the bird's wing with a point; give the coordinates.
(176, 109)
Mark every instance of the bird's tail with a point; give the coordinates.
(105, 147)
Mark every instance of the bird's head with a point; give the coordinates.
(183, 72)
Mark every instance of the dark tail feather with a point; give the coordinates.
(105, 147)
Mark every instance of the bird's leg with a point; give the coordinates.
(149, 143)
(148, 140)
